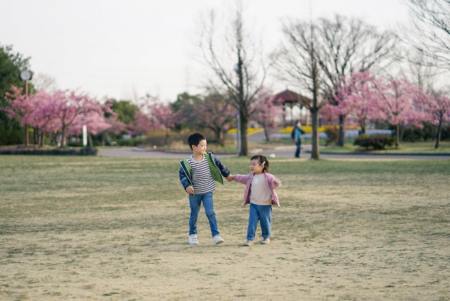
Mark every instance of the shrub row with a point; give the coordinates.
(85, 151)
(374, 141)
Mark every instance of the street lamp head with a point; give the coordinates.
(26, 75)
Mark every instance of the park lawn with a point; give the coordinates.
(97, 228)
(405, 147)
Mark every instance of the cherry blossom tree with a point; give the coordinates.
(358, 99)
(215, 112)
(60, 111)
(42, 117)
(112, 118)
(152, 115)
(265, 111)
(212, 110)
(94, 120)
(72, 109)
(437, 112)
(140, 125)
(161, 116)
(398, 103)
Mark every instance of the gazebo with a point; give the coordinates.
(289, 100)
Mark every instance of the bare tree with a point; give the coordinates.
(431, 20)
(422, 71)
(425, 74)
(348, 45)
(297, 62)
(42, 81)
(235, 65)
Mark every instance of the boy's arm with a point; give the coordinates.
(183, 178)
(223, 169)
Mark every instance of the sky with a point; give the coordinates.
(128, 48)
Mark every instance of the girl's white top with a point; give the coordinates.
(260, 193)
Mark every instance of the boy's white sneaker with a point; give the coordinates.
(265, 241)
(248, 243)
(193, 239)
(217, 239)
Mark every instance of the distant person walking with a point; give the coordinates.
(296, 136)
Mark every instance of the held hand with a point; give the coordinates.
(230, 178)
(243, 205)
(190, 190)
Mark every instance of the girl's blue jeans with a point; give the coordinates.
(263, 214)
(195, 201)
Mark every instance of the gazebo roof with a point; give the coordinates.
(290, 97)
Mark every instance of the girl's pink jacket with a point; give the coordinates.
(272, 181)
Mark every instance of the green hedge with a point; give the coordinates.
(85, 151)
(374, 141)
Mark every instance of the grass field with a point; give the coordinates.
(115, 229)
(405, 147)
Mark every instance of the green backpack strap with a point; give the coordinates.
(187, 168)
(215, 172)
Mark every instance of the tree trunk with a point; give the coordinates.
(103, 139)
(26, 136)
(341, 136)
(219, 136)
(397, 135)
(41, 139)
(35, 133)
(90, 141)
(363, 128)
(63, 138)
(315, 134)
(243, 134)
(315, 155)
(266, 133)
(166, 138)
(54, 139)
(438, 134)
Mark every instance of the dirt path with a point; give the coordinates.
(283, 152)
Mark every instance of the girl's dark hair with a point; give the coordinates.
(195, 139)
(262, 161)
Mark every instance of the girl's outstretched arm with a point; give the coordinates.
(241, 178)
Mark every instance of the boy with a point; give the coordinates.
(197, 176)
(296, 136)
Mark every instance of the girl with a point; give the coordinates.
(260, 193)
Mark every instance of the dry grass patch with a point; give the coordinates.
(115, 229)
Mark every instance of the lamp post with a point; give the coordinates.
(26, 75)
(238, 118)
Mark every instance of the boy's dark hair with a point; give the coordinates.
(195, 139)
(262, 161)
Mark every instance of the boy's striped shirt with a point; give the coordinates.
(201, 176)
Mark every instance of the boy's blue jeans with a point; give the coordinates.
(298, 148)
(195, 201)
(263, 214)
